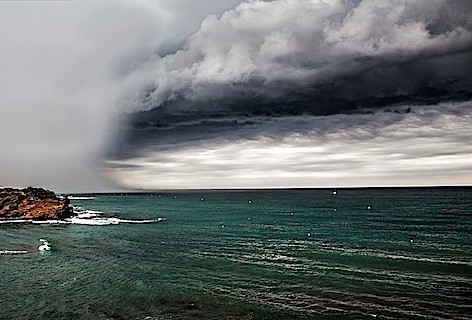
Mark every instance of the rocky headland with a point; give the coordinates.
(33, 203)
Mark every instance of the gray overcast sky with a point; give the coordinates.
(99, 95)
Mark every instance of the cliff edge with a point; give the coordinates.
(33, 203)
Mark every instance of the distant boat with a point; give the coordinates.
(334, 192)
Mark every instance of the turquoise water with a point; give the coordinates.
(285, 255)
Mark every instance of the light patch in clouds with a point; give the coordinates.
(428, 147)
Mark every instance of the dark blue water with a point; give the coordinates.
(284, 254)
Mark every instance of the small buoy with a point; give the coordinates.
(222, 226)
(175, 197)
(249, 202)
(334, 209)
(411, 241)
(249, 218)
(291, 213)
(309, 234)
(368, 207)
(201, 199)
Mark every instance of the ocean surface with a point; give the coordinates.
(280, 254)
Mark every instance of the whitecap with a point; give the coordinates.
(45, 246)
(90, 222)
(140, 221)
(108, 221)
(15, 221)
(13, 251)
(87, 217)
(86, 214)
(49, 222)
(80, 198)
(93, 211)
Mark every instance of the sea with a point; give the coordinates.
(367, 253)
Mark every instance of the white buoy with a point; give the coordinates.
(249, 202)
(309, 234)
(368, 207)
(334, 209)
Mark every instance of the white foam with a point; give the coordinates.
(80, 198)
(87, 217)
(90, 222)
(93, 211)
(107, 221)
(45, 246)
(49, 222)
(15, 221)
(140, 221)
(86, 214)
(13, 251)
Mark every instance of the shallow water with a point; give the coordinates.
(282, 254)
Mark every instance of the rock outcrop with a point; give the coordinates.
(33, 203)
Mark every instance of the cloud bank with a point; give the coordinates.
(311, 56)
(291, 93)
(428, 146)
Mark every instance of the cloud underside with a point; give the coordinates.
(287, 57)
(291, 93)
(428, 146)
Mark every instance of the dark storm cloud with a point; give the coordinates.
(291, 57)
(290, 93)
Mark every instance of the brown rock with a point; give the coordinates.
(33, 203)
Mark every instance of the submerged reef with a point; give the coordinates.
(33, 203)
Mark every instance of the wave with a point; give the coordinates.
(89, 217)
(87, 214)
(392, 256)
(93, 219)
(80, 198)
(13, 251)
(48, 222)
(8, 221)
